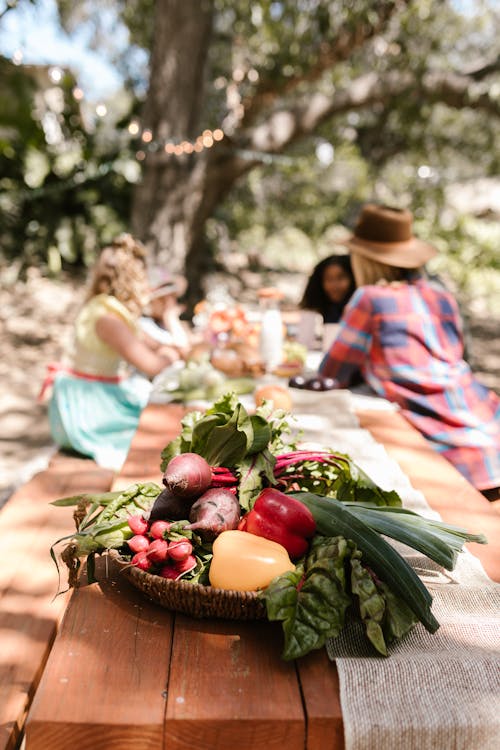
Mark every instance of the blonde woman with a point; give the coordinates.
(96, 403)
(403, 333)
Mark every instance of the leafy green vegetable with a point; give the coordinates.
(101, 499)
(437, 540)
(226, 435)
(261, 434)
(251, 470)
(333, 475)
(228, 443)
(315, 610)
(399, 619)
(371, 603)
(312, 601)
(333, 518)
(107, 529)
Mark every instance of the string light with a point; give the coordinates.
(205, 140)
(176, 148)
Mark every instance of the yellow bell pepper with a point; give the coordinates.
(246, 562)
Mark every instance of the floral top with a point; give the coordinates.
(406, 339)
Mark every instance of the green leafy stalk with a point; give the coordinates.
(100, 499)
(437, 540)
(333, 518)
(251, 471)
(331, 474)
(108, 529)
(371, 603)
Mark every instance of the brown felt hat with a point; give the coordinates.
(384, 234)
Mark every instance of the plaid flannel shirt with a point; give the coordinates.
(406, 339)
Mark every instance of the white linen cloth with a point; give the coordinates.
(433, 692)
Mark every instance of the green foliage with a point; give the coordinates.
(58, 201)
(64, 188)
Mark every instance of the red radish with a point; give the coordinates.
(169, 571)
(178, 551)
(158, 551)
(158, 528)
(138, 524)
(187, 475)
(140, 560)
(138, 543)
(186, 565)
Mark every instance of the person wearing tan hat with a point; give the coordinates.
(404, 334)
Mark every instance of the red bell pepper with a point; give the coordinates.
(282, 519)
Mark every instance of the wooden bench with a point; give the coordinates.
(126, 673)
(29, 613)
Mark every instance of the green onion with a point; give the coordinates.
(437, 540)
(334, 519)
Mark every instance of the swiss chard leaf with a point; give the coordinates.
(226, 443)
(315, 610)
(371, 604)
(336, 475)
(399, 619)
(223, 435)
(261, 435)
(355, 485)
(251, 469)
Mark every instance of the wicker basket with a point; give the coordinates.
(191, 598)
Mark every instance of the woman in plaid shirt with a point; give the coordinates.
(404, 334)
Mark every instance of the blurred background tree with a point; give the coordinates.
(261, 128)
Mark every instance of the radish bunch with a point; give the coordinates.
(155, 553)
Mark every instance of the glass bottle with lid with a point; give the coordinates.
(271, 327)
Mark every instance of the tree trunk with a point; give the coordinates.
(171, 203)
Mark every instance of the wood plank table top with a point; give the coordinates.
(29, 614)
(125, 673)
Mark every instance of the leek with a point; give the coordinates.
(437, 540)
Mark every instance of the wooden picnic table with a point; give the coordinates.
(125, 673)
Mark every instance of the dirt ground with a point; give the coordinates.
(35, 326)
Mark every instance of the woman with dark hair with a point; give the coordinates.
(329, 288)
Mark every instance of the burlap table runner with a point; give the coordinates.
(441, 691)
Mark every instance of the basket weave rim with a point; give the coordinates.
(180, 586)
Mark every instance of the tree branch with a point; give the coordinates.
(288, 124)
(459, 92)
(479, 74)
(9, 5)
(328, 54)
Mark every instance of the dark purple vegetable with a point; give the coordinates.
(314, 384)
(217, 510)
(330, 383)
(187, 475)
(298, 381)
(169, 507)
